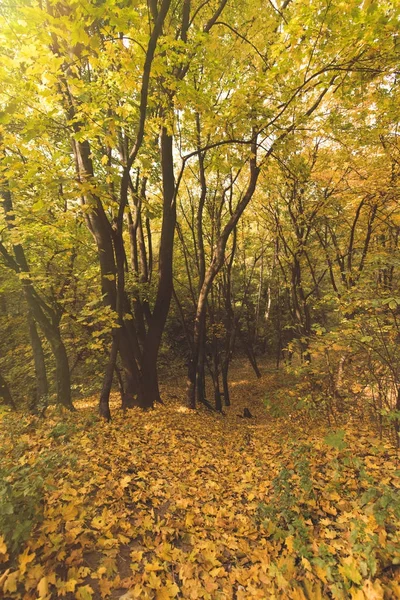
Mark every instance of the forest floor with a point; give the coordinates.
(175, 503)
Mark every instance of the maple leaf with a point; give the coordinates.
(105, 586)
(84, 592)
(10, 583)
(167, 591)
(24, 559)
(350, 571)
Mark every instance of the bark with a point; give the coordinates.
(165, 281)
(5, 392)
(104, 403)
(63, 380)
(42, 387)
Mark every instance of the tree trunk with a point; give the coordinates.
(104, 402)
(5, 393)
(249, 353)
(42, 387)
(215, 267)
(63, 380)
(165, 281)
(49, 325)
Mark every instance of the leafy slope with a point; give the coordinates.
(173, 503)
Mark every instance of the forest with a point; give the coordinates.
(199, 299)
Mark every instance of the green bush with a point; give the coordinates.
(303, 489)
(21, 504)
(22, 491)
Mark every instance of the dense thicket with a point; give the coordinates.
(199, 179)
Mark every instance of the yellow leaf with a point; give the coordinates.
(125, 481)
(153, 567)
(136, 555)
(168, 591)
(3, 577)
(105, 586)
(24, 559)
(43, 587)
(84, 593)
(373, 590)
(98, 522)
(70, 585)
(356, 594)
(10, 584)
(70, 511)
(298, 594)
(321, 573)
(3, 545)
(123, 538)
(189, 520)
(306, 564)
(349, 570)
(289, 542)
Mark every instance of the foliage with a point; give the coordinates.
(298, 503)
(24, 482)
(240, 158)
(261, 507)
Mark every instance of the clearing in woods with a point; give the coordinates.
(183, 504)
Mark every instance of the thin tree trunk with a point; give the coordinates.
(249, 353)
(63, 380)
(165, 282)
(213, 270)
(5, 393)
(104, 403)
(42, 387)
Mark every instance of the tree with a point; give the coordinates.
(143, 121)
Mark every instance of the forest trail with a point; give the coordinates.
(175, 503)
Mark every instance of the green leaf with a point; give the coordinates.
(336, 439)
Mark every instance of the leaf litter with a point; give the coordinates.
(175, 503)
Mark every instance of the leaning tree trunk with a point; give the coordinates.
(21, 263)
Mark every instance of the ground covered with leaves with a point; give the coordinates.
(175, 503)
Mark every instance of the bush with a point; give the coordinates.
(337, 495)
(21, 504)
(23, 484)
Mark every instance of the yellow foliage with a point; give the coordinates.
(173, 507)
